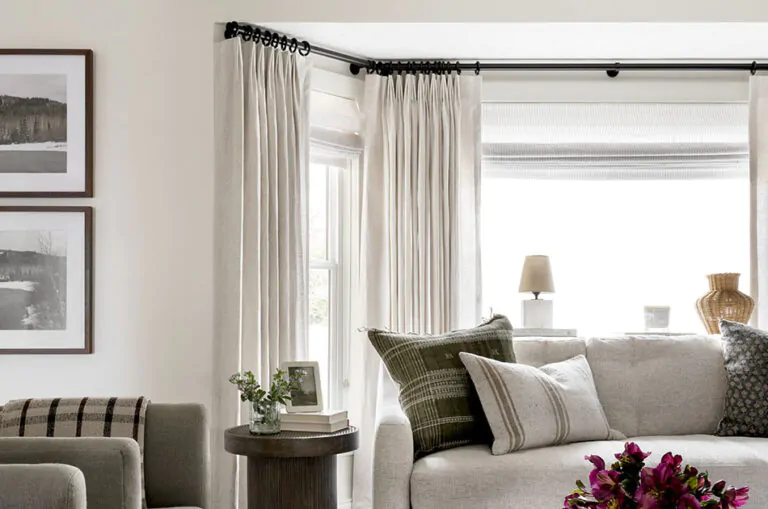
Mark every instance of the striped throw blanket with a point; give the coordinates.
(77, 417)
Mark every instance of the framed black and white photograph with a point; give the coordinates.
(45, 280)
(46, 127)
(309, 397)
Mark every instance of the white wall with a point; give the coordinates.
(153, 202)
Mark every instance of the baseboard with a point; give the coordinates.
(347, 504)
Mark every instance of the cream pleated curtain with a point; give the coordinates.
(419, 250)
(261, 259)
(758, 176)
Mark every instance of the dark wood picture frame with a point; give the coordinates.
(87, 275)
(87, 191)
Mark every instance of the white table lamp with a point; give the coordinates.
(537, 278)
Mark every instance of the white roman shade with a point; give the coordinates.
(602, 141)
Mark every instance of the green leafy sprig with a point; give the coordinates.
(279, 390)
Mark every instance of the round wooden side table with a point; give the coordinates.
(293, 469)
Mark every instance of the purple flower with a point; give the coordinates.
(674, 461)
(733, 498)
(688, 501)
(597, 461)
(605, 486)
(629, 484)
(632, 454)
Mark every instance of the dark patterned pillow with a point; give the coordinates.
(746, 366)
(436, 392)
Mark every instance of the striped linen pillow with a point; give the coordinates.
(529, 407)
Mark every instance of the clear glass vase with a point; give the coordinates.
(265, 418)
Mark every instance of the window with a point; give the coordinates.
(634, 204)
(329, 274)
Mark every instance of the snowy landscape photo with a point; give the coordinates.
(33, 280)
(33, 123)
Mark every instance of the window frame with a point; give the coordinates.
(342, 166)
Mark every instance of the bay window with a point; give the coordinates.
(634, 204)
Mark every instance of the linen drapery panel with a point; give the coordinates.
(758, 180)
(261, 257)
(419, 242)
(758, 176)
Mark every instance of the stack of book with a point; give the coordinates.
(327, 421)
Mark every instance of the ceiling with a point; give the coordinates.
(558, 41)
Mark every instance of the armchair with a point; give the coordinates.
(176, 463)
(42, 486)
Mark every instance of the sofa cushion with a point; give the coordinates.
(531, 407)
(659, 385)
(536, 352)
(746, 365)
(435, 390)
(471, 477)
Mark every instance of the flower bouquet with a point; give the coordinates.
(629, 484)
(265, 404)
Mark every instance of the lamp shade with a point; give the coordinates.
(537, 275)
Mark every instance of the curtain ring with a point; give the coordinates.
(458, 69)
(371, 67)
(753, 71)
(232, 30)
(293, 45)
(275, 41)
(306, 49)
(283, 43)
(477, 68)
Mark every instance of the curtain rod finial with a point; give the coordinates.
(231, 30)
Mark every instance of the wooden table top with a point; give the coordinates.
(290, 444)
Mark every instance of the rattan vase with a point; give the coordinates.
(724, 300)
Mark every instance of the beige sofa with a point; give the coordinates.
(665, 393)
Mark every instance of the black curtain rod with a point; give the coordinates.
(386, 67)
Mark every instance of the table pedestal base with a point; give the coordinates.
(292, 483)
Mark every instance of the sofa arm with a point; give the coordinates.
(111, 466)
(393, 461)
(42, 487)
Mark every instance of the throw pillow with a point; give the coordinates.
(531, 407)
(435, 390)
(746, 368)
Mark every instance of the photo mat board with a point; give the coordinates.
(46, 127)
(46, 280)
(309, 398)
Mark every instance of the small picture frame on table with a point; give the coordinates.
(309, 397)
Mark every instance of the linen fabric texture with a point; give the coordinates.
(261, 263)
(746, 366)
(436, 392)
(530, 407)
(416, 265)
(645, 390)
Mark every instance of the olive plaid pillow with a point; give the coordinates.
(436, 392)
